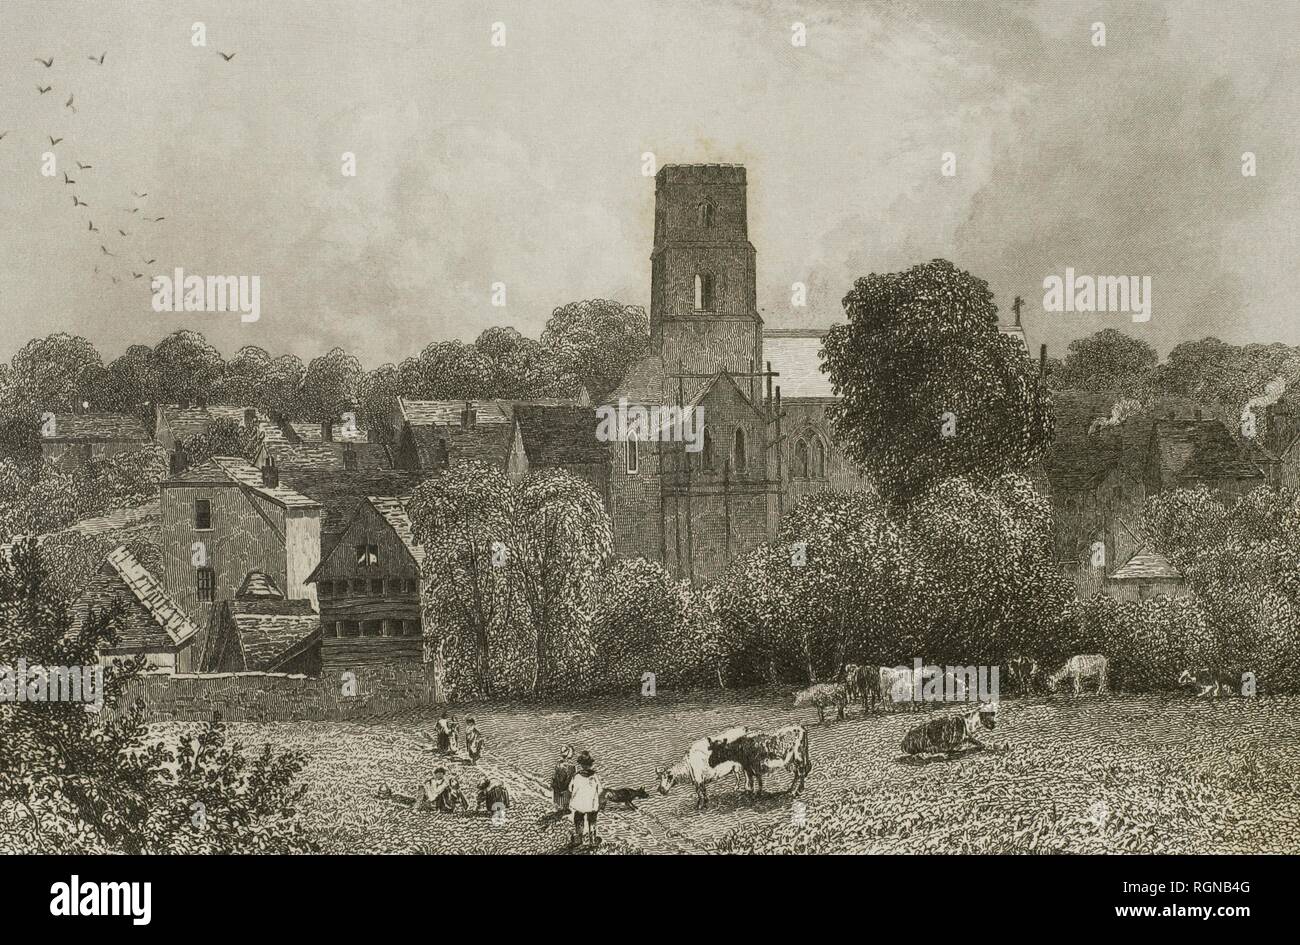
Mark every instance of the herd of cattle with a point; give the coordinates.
(738, 751)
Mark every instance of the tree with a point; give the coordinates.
(597, 341)
(928, 387)
(55, 372)
(223, 437)
(188, 367)
(561, 538)
(254, 378)
(520, 368)
(1105, 361)
(462, 520)
(330, 386)
(131, 381)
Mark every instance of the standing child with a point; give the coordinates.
(473, 740)
(560, 779)
(584, 801)
(443, 729)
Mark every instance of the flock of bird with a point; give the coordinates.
(126, 245)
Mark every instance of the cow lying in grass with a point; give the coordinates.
(822, 695)
(696, 769)
(760, 753)
(947, 735)
(1211, 683)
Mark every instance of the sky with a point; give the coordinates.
(523, 163)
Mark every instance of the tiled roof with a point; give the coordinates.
(560, 436)
(170, 625)
(188, 421)
(795, 354)
(259, 585)
(269, 632)
(339, 494)
(448, 412)
(323, 456)
(647, 383)
(1202, 450)
(241, 471)
(98, 427)
(1145, 566)
(392, 509)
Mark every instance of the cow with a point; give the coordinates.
(947, 735)
(822, 695)
(696, 770)
(900, 684)
(1211, 683)
(761, 752)
(1079, 668)
(862, 682)
(1022, 673)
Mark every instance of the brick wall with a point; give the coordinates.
(278, 697)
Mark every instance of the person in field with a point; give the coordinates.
(560, 779)
(473, 740)
(444, 729)
(584, 801)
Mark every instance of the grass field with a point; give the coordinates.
(1089, 775)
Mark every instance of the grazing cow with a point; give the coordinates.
(822, 695)
(862, 682)
(1211, 683)
(1022, 673)
(696, 769)
(1079, 668)
(760, 752)
(947, 735)
(900, 684)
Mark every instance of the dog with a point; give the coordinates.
(624, 796)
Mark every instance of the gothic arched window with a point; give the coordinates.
(630, 455)
(738, 451)
(703, 292)
(799, 468)
(706, 455)
(705, 213)
(817, 462)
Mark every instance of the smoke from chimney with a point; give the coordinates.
(1273, 392)
(1119, 412)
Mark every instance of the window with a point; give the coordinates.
(324, 588)
(703, 292)
(372, 628)
(351, 628)
(349, 458)
(818, 458)
(411, 586)
(630, 455)
(799, 468)
(706, 454)
(336, 628)
(377, 586)
(206, 586)
(203, 513)
(367, 556)
(704, 214)
(738, 450)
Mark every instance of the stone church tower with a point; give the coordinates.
(703, 310)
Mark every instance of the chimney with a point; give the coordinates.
(327, 431)
(1042, 360)
(468, 416)
(441, 459)
(270, 475)
(250, 418)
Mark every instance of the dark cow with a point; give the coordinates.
(1022, 673)
(947, 735)
(862, 683)
(759, 753)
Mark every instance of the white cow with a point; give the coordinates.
(1079, 668)
(696, 771)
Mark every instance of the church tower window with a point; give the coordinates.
(703, 292)
(738, 452)
(630, 456)
(705, 213)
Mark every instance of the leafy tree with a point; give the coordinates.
(928, 387)
(131, 381)
(597, 341)
(330, 386)
(73, 781)
(520, 368)
(253, 377)
(223, 437)
(377, 394)
(1108, 360)
(56, 371)
(188, 367)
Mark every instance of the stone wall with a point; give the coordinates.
(373, 689)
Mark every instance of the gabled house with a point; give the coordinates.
(1201, 451)
(155, 626)
(69, 440)
(223, 519)
(368, 585)
(318, 447)
(563, 436)
(259, 630)
(428, 435)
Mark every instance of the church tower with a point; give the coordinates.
(703, 309)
